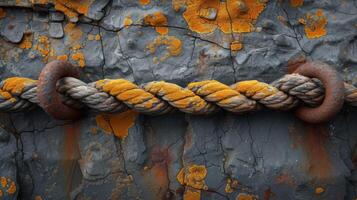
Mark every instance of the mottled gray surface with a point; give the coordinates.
(272, 155)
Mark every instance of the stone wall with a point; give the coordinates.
(263, 155)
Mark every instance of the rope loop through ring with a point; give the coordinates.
(334, 92)
(49, 98)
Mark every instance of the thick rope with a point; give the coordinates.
(159, 97)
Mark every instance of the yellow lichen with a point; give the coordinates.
(157, 20)
(173, 46)
(2, 13)
(76, 47)
(253, 87)
(236, 46)
(62, 57)
(118, 124)
(230, 16)
(144, 2)
(315, 24)
(5, 95)
(296, 3)
(26, 42)
(15, 85)
(79, 58)
(319, 190)
(127, 21)
(97, 37)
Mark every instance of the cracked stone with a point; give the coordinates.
(4, 135)
(55, 30)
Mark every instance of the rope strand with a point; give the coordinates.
(159, 97)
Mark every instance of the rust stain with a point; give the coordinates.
(296, 3)
(311, 138)
(155, 175)
(118, 123)
(268, 194)
(285, 178)
(70, 154)
(144, 2)
(2, 13)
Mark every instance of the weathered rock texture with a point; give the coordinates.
(264, 155)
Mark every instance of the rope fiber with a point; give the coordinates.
(159, 97)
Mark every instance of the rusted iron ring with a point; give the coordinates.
(334, 92)
(49, 98)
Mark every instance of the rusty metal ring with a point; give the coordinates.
(49, 98)
(334, 92)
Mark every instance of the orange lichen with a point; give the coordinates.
(296, 3)
(319, 190)
(15, 85)
(3, 181)
(236, 46)
(43, 46)
(231, 185)
(173, 46)
(127, 21)
(91, 37)
(229, 16)
(12, 188)
(38, 197)
(72, 8)
(178, 4)
(157, 20)
(7, 185)
(79, 58)
(62, 57)
(193, 178)
(244, 196)
(26, 42)
(118, 124)
(144, 2)
(2, 13)
(315, 24)
(5, 95)
(73, 32)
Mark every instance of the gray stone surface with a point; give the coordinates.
(269, 155)
(55, 30)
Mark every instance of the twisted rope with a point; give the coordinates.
(159, 97)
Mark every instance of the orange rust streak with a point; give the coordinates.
(312, 139)
(70, 153)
